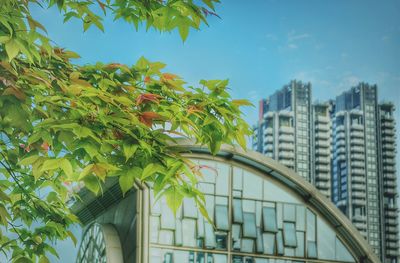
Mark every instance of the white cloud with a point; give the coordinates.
(292, 46)
(294, 37)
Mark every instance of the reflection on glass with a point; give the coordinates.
(206, 188)
(300, 244)
(178, 233)
(167, 217)
(237, 178)
(209, 241)
(189, 232)
(237, 211)
(222, 186)
(189, 208)
(289, 212)
(249, 225)
(269, 243)
(342, 253)
(279, 243)
(289, 234)
(289, 252)
(221, 217)
(311, 249)
(247, 245)
(269, 219)
(236, 236)
(311, 225)
(259, 241)
(200, 226)
(252, 186)
(155, 227)
(325, 240)
(279, 215)
(221, 240)
(200, 257)
(300, 218)
(168, 258)
(166, 237)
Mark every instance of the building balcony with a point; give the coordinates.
(322, 178)
(357, 156)
(391, 222)
(391, 229)
(391, 214)
(392, 237)
(388, 161)
(286, 138)
(358, 172)
(322, 168)
(359, 202)
(388, 132)
(356, 134)
(340, 136)
(358, 187)
(322, 144)
(392, 251)
(322, 127)
(389, 191)
(360, 226)
(322, 160)
(358, 195)
(389, 154)
(286, 155)
(287, 163)
(322, 119)
(358, 179)
(358, 127)
(323, 136)
(359, 219)
(268, 139)
(359, 142)
(357, 164)
(323, 152)
(341, 157)
(357, 149)
(286, 146)
(286, 130)
(388, 139)
(389, 184)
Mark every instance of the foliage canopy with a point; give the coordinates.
(61, 123)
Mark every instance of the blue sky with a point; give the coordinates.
(260, 45)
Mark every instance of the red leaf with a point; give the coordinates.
(147, 79)
(45, 146)
(147, 97)
(169, 76)
(147, 118)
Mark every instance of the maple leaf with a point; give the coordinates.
(169, 76)
(147, 117)
(147, 79)
(45, 146)
(147, 97)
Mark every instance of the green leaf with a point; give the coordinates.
(127, 180)
(149, 170)
(242, 103)
(92, 183)
(4, 215)
(129, 150)
(29, 160)
(44, 259)
(51, 164)
(183, 31)
(85, 172)
(12, 49)
(72, 236)
(66, 167)
(174, 198)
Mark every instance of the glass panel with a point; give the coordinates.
(289, 234)
(178, 233)
(209, 236)
(342, 253)
(269, 219)
(221, 185)
(311, 249)
(189, 232)
(200, 226)
(247, 245)
(269, 243)
(189, 208)
(300, 244)
(237, 211)
(249, 206)
(166, 237)
(181, 256)
(217, 258)
(237, 178)
(311, 225)
(289, 212)
(252, 186)
(168, 258)
(258, 213)
(274, 191)
(221, 240)
(249, 225)
(236, 236)
(200, 257)
(325, 240)
(221, 217)
(279, 243)
(259, 241)
(279, 215)
(210, 203)
(167, 216)
(300, 218)
(236, 193)
(289, 252)
(206, 188)
(208, 171)
(155, 227)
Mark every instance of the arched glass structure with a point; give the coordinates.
(256, 218)
(262, 213)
